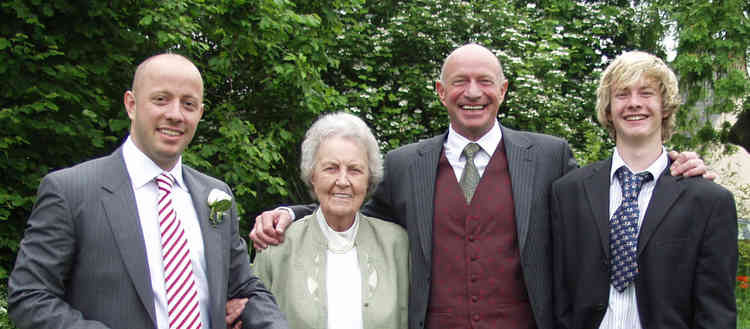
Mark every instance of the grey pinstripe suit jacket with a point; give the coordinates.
(406, 196)
(82, 261)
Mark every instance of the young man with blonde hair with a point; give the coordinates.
(633, 246)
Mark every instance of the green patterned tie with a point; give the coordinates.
(470, 177)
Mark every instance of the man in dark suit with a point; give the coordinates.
(474, 201)
(127, 240)
(635, 247)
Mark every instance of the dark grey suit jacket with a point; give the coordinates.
(82, 262)
(406, 196)
(687, 252)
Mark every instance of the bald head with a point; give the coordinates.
(154, 64)
(472, 50)
(164, 107)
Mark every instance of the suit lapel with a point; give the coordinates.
(212, 242)
(667, 191)
(423, 173)
(118, 201)
(596, 187)
(521, 157)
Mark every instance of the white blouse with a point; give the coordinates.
(343, 276)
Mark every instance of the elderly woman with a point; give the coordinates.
(338, 268)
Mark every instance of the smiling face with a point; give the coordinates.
(637, 113)
(164, 107)
(643, 75)
(339, 180)
(472, 90)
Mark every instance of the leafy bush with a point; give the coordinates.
(4, 321)
(742, 290)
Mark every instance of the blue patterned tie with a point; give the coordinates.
(623, 230)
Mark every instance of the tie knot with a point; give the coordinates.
(631, 183)
(164, 181)
(470, 150)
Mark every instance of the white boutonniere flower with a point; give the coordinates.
(219, 202)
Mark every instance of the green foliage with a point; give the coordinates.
(263, 88)
(392, 53)
(56, 96)
(714, 40)
(4, 321)
(742, 291)
(272, 66)
(67, 65)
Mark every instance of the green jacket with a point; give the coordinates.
(295, 272)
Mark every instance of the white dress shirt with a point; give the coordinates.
(343, 276)
(455, 143)
(142, 171)
(622, 311)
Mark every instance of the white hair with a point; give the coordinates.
(341, 124)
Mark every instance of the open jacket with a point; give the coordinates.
(295, 272)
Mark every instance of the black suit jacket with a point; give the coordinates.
(687, 252)
(406, 196)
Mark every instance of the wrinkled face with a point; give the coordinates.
(637, 112)
(164, 108)
(340, 178)
(471, 90)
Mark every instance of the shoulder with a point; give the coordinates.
(536, 139)
(705, 188)
(407, 151)
(300, 227)
(204, 178)
(386, 230)
(579, 174)
(92, 166)
(89, 173)
(301, 244)
(296, 233)
(702, 199)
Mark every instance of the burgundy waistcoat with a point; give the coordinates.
(477, 280)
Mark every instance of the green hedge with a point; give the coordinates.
(743, 286)
(4, 321)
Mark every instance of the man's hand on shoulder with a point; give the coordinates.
(689, 164)
(269, 228)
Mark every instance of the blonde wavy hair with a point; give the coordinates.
(625, 71)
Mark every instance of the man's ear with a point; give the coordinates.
(129, 100)
(440, 91)
(503, 89)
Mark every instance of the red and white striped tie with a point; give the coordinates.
(179, 281)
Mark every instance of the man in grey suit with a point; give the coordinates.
(477, 216)
(96, 251)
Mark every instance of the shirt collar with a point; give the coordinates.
(488, 142)
(142, 169)
(338, 241)
(656, 168)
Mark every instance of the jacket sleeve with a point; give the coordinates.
(261, 310)
(36, 286)
(716, 270)
(560, 297)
